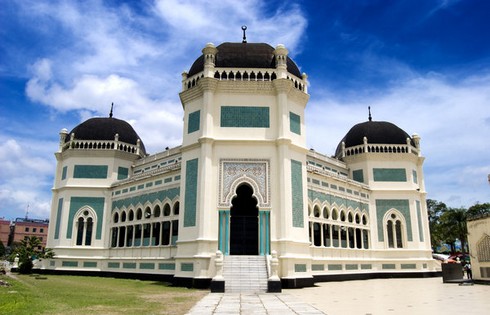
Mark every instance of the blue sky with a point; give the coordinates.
(421, 64)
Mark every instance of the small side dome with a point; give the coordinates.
(106, 129)
(379, 132)
(244, 55)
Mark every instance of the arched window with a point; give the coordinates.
(334, 214)
(156, 211)
(394, 230)
(316, 211)
(166, 210)
(139, 214)
(84, 226)
(176, 208)
(147, 213)
(325, 212)
(116, 217)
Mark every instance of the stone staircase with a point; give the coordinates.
(245, 274)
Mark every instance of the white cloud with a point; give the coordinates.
(27, 176)
(450, 116)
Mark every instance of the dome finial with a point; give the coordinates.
(369, 110)
(112, 107)
(244, 28)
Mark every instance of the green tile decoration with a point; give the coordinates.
(351, 266)
(166, 266)
(419, 221)
(58, 219)
(97, 204)
(90, 171)
(358, 176)
(294, 123)
(147, 266)
(69, 263)
(128, 265)
(317, 267)
(187, 267)
(90, 264)
(389, 175)
(245, 116)
(193, 123)
(63, 173)
(190, 193)
(408, 266)
(384, 205)
(52, 263)
(334, 267)
(113, 265)
(414, 176)
(366, 266)
(299, 267)
(122, 173)
(322, 197)
(160, 195)
(388, 266)
(297, 193)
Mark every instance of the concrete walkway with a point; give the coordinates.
(256, 304)
(364, 297)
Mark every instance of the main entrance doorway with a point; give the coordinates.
(244, 222)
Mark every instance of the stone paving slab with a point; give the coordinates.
(252, 304)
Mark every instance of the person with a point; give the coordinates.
(467, 268)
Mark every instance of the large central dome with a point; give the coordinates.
(244, 55)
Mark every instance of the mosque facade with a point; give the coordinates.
(242, 183)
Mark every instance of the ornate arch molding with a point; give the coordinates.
(255, 172)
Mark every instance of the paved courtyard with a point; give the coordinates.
(379, 296)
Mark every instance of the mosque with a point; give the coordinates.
(242, 185)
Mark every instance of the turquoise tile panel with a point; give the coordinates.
(147, 266)
(190, 193)
(358, 176)
(129, 265)
(295, 123)
(194, 121)
(317, 267)
(388, 266)
(384, 205)
(351, 266)
(299, 267)
(90, 264)
(148, 197)
(90, 171)
(113, 265)
(297, 193)
(322, 197)
(419, 221)
(389, 175)
(166, 266)
(76, 203)
(245, 116)
(334, 267)
(408, 266)
(63, 173)
(414, 176)
(58, 219)
(122, 173)
(187, 267)
(69, 263)
(366, 266)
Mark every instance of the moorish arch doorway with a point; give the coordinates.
(244, 222)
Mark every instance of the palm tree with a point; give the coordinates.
(453, 223)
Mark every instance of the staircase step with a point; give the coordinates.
(245, 274)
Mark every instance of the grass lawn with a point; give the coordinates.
(52, 294)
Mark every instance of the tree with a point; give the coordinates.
(435, 210)
(29, 249)
(478, 209)
(2, 249)
(453, 227)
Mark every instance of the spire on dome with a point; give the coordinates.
(112, 107)
(369, 110)
(244, 28)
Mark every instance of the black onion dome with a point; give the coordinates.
(244, 55)
(105, 128)
(379, 132)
